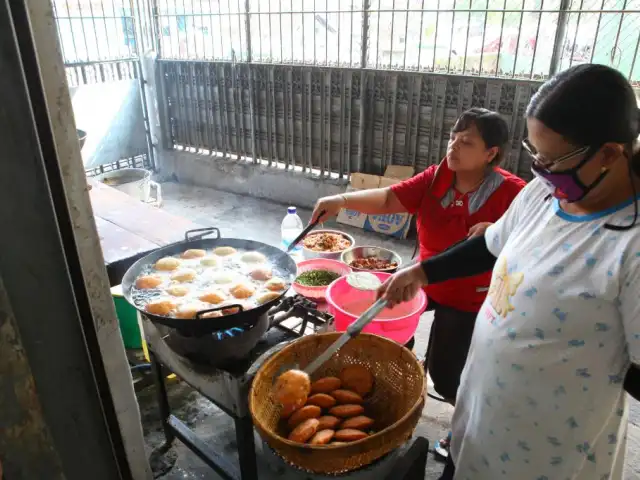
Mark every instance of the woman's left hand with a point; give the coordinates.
(403, 285)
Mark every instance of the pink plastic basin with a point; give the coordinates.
(399, 323)
(319, 293)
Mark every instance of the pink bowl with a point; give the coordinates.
(318, 293)
(399, 323)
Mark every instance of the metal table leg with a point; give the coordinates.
(246, 448)
(163, 399)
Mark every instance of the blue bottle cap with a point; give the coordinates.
(291, 210)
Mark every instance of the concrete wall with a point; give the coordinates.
(111, 114)
(244, 178)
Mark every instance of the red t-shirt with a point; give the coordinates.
(440, 226)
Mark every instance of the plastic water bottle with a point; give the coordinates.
(291, 227)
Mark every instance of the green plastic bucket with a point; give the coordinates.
(128, 320)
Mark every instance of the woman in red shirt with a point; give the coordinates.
(451, 201)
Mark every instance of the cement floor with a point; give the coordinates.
(245, 217)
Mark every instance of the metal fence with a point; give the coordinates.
(329, 121)
(334, 86)
(101, 40)
(525, 39)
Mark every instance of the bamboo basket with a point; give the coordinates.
(395, 403)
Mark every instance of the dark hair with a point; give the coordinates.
(589, 105)
(492, 128)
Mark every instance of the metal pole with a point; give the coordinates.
(365, 33)
(363, 81)
(558, 42)
(247, 26)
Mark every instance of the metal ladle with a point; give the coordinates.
(286, 386)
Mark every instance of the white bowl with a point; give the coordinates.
(309, 254)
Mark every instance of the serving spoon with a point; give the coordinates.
(294, 385)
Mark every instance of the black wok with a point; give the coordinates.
(283, 266)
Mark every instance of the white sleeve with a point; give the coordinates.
(497, 234)
(630, 304)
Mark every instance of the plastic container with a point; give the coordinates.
(290, 228)
(318, 293)
(128, 320)
(399, 323)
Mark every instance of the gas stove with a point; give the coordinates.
(236, 349)
(221, 366)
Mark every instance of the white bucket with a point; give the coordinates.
(135, 182)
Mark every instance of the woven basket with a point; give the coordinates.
(395, 403)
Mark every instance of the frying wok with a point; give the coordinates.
(283, 266)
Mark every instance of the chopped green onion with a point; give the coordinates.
(317, 278)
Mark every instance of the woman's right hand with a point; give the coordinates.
(330, 205)
(403, 285)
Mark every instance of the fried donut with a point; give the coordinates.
(178, 290)
(261, 274)
(184, 275)
(215, 297)
(146, 282)
(242, 291)
(292, 388)
(167, 264)
(161, 307)
(276, 284)
(193, 253)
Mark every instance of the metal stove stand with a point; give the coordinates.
(228, 388)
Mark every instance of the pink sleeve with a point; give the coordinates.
(411, 192)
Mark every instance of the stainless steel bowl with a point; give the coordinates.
(364, 252)
(309, 254)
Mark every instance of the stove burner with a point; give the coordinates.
(294, 316)
(232, 332)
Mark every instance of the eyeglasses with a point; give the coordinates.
(541, 163)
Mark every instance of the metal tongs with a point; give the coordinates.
(362, 281)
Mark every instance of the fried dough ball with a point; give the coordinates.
(261, 274)
(253, 257)
(242, 291)
(224, 251)
(167, 264)
(189, 310)
(223, 278)
(230, 311)
(146, 282)
(214, 297)
(162, 307)
(267, 297)
(292, 389)
(209, 261)
(184, 275)
(193, 253)
(357, 379)
(178, 290)
(276, 284)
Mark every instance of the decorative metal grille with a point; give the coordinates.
(331, 120)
